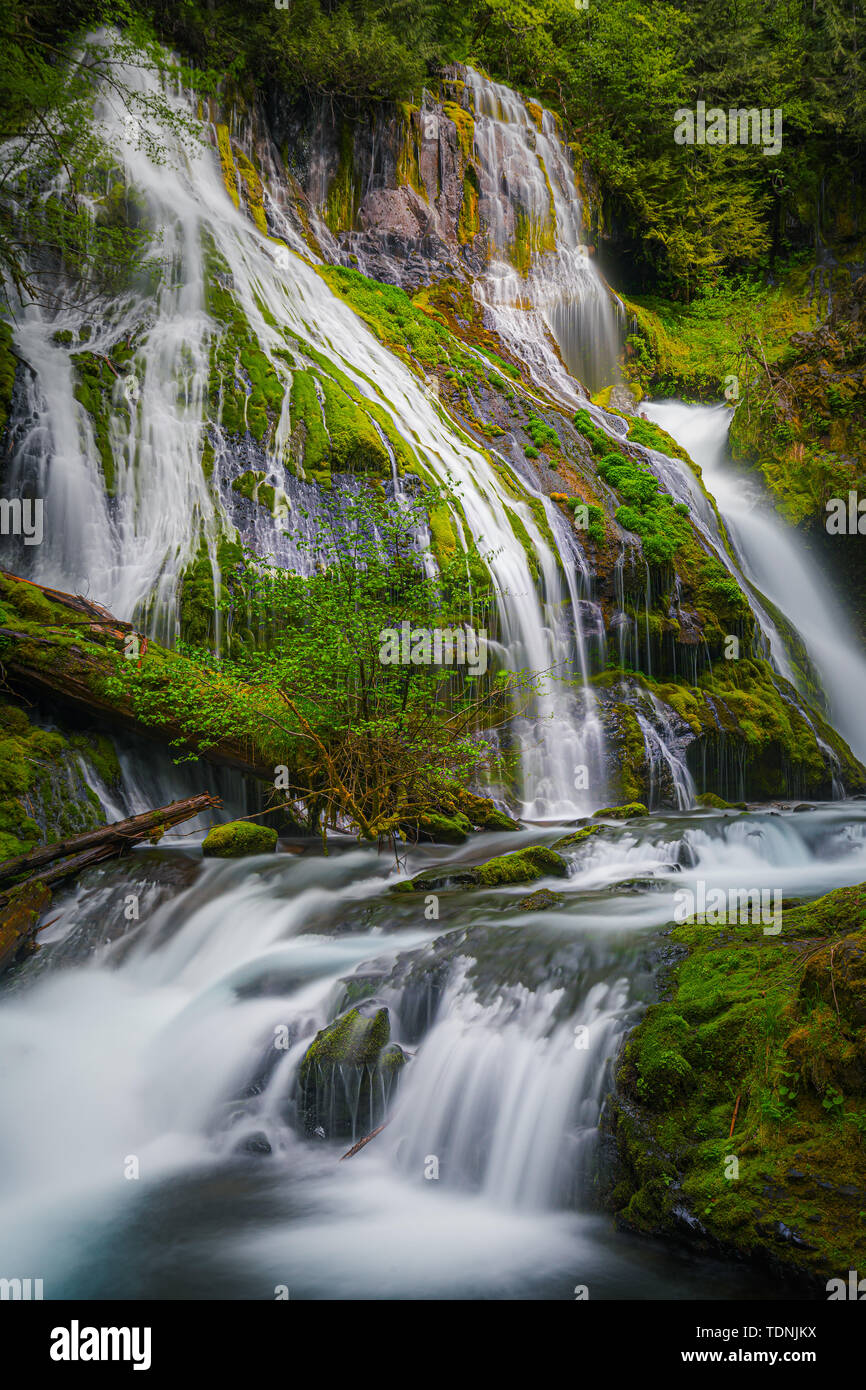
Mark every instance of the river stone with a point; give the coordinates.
(237, 838)
(542, 900)
(578, 837)
(520, 866)
(348, 1073)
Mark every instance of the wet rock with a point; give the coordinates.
(627, 812)
(578, 837)
(256, 1143)
(542, 901)
(521, 866)
(348, 1074)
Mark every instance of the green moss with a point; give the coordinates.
(469, 222)
(442, 538)
(227, 163)
(765, 1032)
(634, 808)
(446, 830)
(94, 390)
(522, 866)
(464, 123)
(652, 436)
(245, 392)
(348, 1072)
(253, 190)
(716, 803)
(578, 837)
(253, 485)
(649, 512)
(43, 796)
(408, 158)
(599, 442)
(355, 445)
(309, 436)
(523, 536)
(238, 838)
(344, 194)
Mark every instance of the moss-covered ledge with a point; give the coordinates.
(765, 1033)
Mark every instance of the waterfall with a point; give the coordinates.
(540, 280)
(773, 561)
(162, 1046)
(129, 550)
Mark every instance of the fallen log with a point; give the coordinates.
(24, 903)
(117, 835)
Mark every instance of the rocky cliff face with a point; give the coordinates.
(406, 302)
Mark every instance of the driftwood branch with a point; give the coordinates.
(356, 1148)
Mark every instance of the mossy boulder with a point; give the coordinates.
(756, 1052)
(483, 813)
(578, 837)
(542, 900)
(445, 830)
(521, 866)
(627, 812)
(718, 803)
(837, 975)
(348, 1073)
(238, 838)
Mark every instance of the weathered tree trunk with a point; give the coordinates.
(115, 837)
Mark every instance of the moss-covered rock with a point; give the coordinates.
(542, 900)
(446, 830)
(238, 838)
(44, 795)
(765, 1032)
(521, 866)
(348, 1073)
(628, 812)
(578, 837)
(717, 803)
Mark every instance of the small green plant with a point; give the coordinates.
(833, 1101)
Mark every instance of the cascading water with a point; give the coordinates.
(540, 279)
(772, 559)
(129, 550)
(163, 1046)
